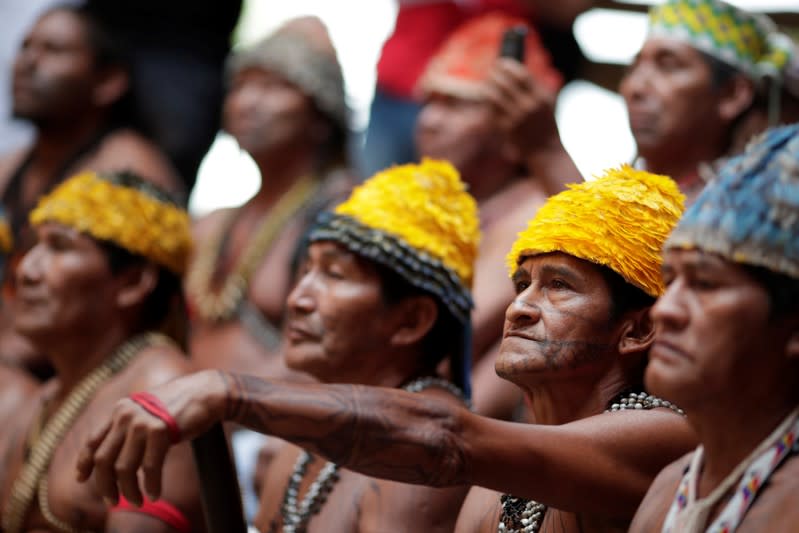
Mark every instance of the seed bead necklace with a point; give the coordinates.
(216, 305)
(296, 514)
(526, 516)
(34, 471)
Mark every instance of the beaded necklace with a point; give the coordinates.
(688, 514)
(296, 515)
(526, 516)
(34, 471)
(216, 305)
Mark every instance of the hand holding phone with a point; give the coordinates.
(513, 43)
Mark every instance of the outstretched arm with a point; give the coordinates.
(402, 436)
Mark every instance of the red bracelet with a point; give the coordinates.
(155, 407)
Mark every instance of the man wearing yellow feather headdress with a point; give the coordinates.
(576, 340)
(96, 293)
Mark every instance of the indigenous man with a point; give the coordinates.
(101, 281)
(468, 118)
(693, 79)
(576, 340)
(732, 267)
(383, 290)
(285, 106)
(71, 81)
(687, 88)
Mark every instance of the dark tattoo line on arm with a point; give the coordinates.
(391, 434)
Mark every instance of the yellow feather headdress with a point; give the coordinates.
(130, 218)
(619, 220)
(417, 219)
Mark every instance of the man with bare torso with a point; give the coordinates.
(727, 348)
(576, 339)
(71, 81)
(94, 293)
(285, 107)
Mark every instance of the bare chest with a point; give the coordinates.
(59, 495)
(339, 510)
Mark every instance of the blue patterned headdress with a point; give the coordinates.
(750, 213)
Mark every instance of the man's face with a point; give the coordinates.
(64, 285)
(461, 131)
(670, 97)
(337, 325)
(54, 71)
(560, 325)
(264, 112)
(714, 335)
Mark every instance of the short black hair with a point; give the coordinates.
(624, 296)
(721, 73)
(444, 338)
(167, 296)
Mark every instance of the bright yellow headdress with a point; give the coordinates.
(425, 205)
(108, 209)
(418, 220)
(619, 220)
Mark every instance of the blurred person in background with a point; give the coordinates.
(177, 57)
(71, 80)
(99, 293)
(691, 86)
(285, 106)
(421, 27)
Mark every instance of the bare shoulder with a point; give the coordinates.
(156, 365)
(480, 511)
(658, 499)
(126, 149)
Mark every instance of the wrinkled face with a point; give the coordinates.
(670, 97)
(713, 332)
(54, 71)
(458, 130)
(559, 326)
(64, 285)
(264, 112)
(337, 323)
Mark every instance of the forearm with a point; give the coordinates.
(383, 433)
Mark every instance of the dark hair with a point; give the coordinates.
(721, 73)
(444, 338)
(624, 296)
(782, 290)
(167, 296)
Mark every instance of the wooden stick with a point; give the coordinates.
(219, 485)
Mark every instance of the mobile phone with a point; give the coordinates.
(513, 43)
